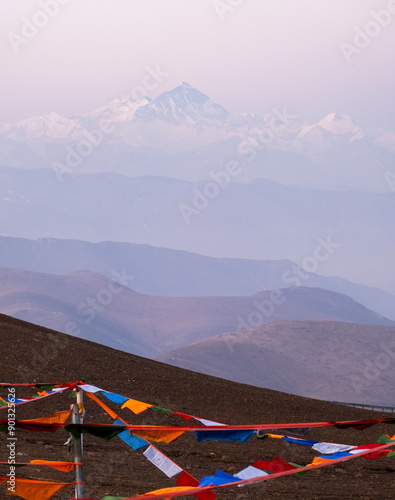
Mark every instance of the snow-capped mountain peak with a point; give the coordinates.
(119, 110)
(183, 104)
(336, 124)
(51, 125)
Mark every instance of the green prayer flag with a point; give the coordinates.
(262, 436)
(105, 432)
(158, 408)
(113, 498)
(45, 387)
(300, 474)
(384, 440)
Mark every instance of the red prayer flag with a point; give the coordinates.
(186, 479)
(275, 465)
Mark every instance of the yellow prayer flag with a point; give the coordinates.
(135, 406)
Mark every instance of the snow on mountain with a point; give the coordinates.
(182, 133)
(247, 120)
(118, 110)
(335, 124)
(326, 136)
(52, 126)
(183, 104)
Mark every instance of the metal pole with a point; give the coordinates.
(77, 450)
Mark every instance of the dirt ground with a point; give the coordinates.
(34, 354)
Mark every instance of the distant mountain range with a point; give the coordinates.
(100, 214)
(184, 134)
(167, 272)
(323, 360)
(108, 311)
(258, 220)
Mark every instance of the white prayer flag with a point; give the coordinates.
(250, 472)
(330, 448)
(90, 388)
(207, 422)
(162, 462)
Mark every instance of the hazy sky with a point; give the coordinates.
(247, 55)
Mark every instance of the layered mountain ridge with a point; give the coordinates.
(109, 311)
(183, 133)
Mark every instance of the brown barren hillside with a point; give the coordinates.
(322, 359)
(108, 311)
(31, 353)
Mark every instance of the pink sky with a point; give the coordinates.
(256, 55)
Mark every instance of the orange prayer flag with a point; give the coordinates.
(36, 490)
(60, 417)
(319, 460)
(62, 466)
(158, 435)
(169, 490)
(135, 406)
(104, 406)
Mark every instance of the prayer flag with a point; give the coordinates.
(133, 441)
(236, 436)
(163, 463)
(34, 490)
(185, 479)
(62, 466)
(115, 398)
(158, 435)
(250, 472)
(135, 406)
